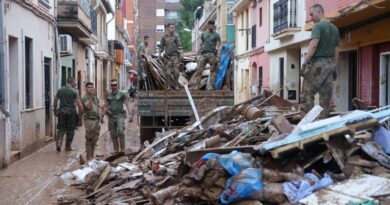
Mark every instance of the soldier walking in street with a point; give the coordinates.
(92, 117)
(210, 43)
(170, 43)
(66, 113)
(319, 65)
(116, 115)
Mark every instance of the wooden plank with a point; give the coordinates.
(309, 117)
(103, 176)
(336, 147)
(323, 137)
(282, 124)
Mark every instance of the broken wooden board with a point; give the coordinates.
(309, 117)
(128, 185)
(282, 124)
(103, 176)
(364, 187)
(323, 137)
(337, 146)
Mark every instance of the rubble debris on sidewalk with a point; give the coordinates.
(262, 151)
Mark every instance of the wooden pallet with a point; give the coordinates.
(350, 129)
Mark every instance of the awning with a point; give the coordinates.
(117, 44)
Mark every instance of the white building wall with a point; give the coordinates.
(28, 125)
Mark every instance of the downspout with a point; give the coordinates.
(6, 146)
(2, 64)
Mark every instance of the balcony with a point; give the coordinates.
(102, 48)
(285, 19)
(78, 18)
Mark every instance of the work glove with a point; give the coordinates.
(304, 67)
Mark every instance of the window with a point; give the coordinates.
(260, 16)
(160, 28)
(280, 15)
(160, 12)
(172, 1)
(253, 36)
(28, 74)
(229, 18)
(171, 14)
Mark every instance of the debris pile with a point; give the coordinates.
(155, 76)
(262, 151)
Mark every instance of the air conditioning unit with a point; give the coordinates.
(66, 44)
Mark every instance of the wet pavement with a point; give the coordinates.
(35, 178)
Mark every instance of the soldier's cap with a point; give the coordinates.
(211, 22)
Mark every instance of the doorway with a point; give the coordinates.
(352, 76)
(47, 68)
(384, 88)
(281, 76)
(13, 60)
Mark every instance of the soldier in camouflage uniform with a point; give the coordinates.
(116, 115)
(66, 113)
(170, 43)
(143, 49)
(92, 117)
(208, 54)
(319, 66)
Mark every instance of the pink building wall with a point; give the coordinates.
(260, 58)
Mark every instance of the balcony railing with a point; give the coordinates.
(285, 15)
(77, 17)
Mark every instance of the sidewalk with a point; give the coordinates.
(35, 179)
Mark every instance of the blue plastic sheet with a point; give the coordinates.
(223, 65)
(299, 189)
(382, 137)
(233, 163)
(246, 184)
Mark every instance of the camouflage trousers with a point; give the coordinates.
(318, 78)
(92, 131)
(116, 125)
(66, 125)
(205, 58)
(172, 65)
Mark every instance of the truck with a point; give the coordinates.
(154, 106)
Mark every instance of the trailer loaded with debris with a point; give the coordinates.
(159, 108)
(262, 151)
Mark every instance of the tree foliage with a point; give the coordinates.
(186, 14)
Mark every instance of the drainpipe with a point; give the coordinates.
(3, 103)
(91, 65)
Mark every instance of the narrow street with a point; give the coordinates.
(35, 179)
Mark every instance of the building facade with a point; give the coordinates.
(242, 13)
(28, 31)
(259, 70)
(288, 42)
(364, 65)
(153, 16)
(100, 71)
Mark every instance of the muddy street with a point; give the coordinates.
(35, 179)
